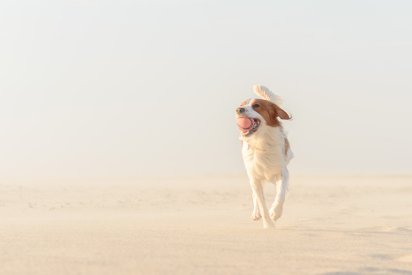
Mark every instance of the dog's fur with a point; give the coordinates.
(266, 152)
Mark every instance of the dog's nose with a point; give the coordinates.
(240, 110)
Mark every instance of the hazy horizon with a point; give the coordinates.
(125, 89)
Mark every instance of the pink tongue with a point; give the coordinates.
(244, 123)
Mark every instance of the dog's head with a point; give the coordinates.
(256, 113)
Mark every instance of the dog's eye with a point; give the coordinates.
(254, 106)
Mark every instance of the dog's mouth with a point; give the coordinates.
(247, 125)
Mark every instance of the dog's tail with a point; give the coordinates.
(267, 94)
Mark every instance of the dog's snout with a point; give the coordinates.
(240, 110)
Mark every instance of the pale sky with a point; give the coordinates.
(128, 89)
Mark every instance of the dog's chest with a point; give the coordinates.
(264, 157)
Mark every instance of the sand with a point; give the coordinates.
(331, 225)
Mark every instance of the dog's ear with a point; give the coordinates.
(264, 93)
(281, 113)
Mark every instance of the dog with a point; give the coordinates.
(265, 149)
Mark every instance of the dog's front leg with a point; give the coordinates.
(281, 188)
(255, 213)
(257, 189)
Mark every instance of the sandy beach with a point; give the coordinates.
(331, 225)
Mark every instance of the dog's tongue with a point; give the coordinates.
(244, 124)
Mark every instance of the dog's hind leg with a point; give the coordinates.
(281, 188)
(257, 189)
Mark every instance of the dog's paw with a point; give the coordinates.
(276, 213)
(268, 224)
(256, 215)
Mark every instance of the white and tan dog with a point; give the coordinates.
(266, 151)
